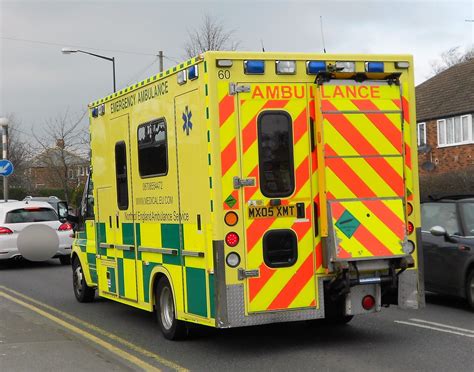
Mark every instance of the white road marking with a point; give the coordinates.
(446, 328)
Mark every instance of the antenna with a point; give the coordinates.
(322, 33)
(263, 47)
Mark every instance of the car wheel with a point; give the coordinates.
(82, 291)
(65, 260)
(171, 327)
(470, 289)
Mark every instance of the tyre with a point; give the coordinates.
(470, 289)
(65, 260)
(82, 291)
(171, 327)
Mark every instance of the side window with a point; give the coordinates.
(275, 154)
(121, 174)
(88, 199)
(440, 214)
(152, 149)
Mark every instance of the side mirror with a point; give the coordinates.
(438, 231)
(62, 210)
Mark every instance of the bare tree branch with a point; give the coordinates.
(451, 57)
(211, 35)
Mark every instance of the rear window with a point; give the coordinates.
(31, 215)
(275, 152)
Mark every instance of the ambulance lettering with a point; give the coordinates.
(278, 92)
(350, 92)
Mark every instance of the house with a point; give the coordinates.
(445, 110)
(48, 169)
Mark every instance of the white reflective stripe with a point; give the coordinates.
(435, 328)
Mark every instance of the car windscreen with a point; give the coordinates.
(31, 215)
(440, 214)
(467, 210)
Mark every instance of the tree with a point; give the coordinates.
(451, 57)
(63, 142)
(211, 35)
(19, 153)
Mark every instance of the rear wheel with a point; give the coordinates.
(82, 291)
(65, 260)
(172, 328)
(470, 289)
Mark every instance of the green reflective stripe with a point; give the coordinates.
(138, 237)
(196, 291)
(91, 260)
(211, 295)
(102, 233)
(121, 273)
(129, 254)
(171, 238)
(127, 234)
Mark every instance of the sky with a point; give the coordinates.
(39, 83)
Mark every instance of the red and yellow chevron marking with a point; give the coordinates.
(294, 286)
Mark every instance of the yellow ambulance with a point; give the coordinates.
(244, 188)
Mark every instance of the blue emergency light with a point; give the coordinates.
(95, 112)
(193, 72)
(374, 66)
(313, 67)
(254, 67)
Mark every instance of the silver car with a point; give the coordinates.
(15, 216)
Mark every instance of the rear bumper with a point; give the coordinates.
(13, 253)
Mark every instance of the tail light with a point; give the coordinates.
(232, 239)
(368, 302)
(231, 218)
(5, 230)
(410, 228)
(66, 226)
(409, 209)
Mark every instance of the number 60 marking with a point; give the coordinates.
(223, 74)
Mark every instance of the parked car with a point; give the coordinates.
(448, 246)
(53, 200)
(16, 216)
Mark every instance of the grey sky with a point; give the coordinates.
(38, 82)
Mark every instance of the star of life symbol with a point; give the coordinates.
(187, 126)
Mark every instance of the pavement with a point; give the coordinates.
(29, 341)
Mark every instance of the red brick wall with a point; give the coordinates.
(446, 159)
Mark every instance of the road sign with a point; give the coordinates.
(6, 167)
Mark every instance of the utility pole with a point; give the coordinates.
(4, 124)
(160, 57)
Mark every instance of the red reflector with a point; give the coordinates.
(410, 227)
(232, 239)
(32, 209)
(5, 230)
(368, 302)
(65, 226)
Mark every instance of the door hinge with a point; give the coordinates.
(242, 182)
(244, 274)
(234, 89)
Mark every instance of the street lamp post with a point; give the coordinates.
(112, 59)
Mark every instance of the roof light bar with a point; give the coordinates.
(402, 64)
(254, 67)
(285, 67)
(313, 67)
(345, 66)
(193, 72)
(224, 63)
(181, 77)
(374, 66)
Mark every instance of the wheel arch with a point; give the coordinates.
(158, 273)
(75, 255)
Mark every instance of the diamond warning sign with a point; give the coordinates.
(347, 223)
(230, 201)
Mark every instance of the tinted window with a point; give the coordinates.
(468, 215)
(440, 214)
(31, 215)
(275, 152)
(121, 175)
(88, 199)
(280, 248)
(152, 148)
